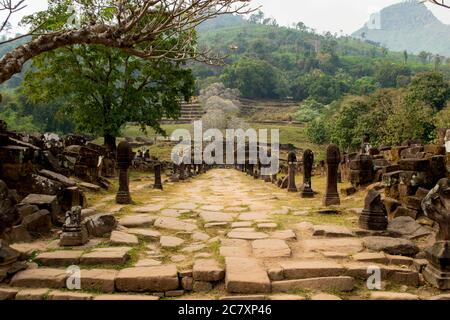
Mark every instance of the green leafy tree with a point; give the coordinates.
(364, 86)
(431, 89)
(442, 118)
(255, 79)
(344, 132)
(102, 89)
(424, 57)
(387, 73)
(309, 110)
(317, 131)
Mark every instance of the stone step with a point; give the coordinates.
(62, 258)
(101, 280)
(125, 297)
(310, 269)
(245, 276)
(106, 256)
(394, 274)
(343, 284)
(68, 295)
(40, 278)
(271, 248)
(208, 270)
(32, 294)
(384, 295)
(8, 293)
(148, 279)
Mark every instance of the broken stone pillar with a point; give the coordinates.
(374, 215)
(333, 159)
(74, 233)
(182, 170)
(308, 162)
(175, 176)
(250, 169)
(158, 182)
(447, 148)
(292, 163)
(124, 159)
(436, 206)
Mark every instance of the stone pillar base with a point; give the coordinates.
(437, 278)
(331, 200)
(123, 198)
(158, 186)
(73, 239)
(373, 221)
(307, 194)
(292, 189)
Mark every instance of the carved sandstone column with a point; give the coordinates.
(333, 159)
(292, 163)
(124, 159)
(308, 162)
(158, 182)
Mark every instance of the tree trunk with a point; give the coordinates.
(110, 142)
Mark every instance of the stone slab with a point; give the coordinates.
(245, 276)
(174, 224)
(271, 248)
(61, 258)
(243, 235)
(137, 221)
(106, 256)
(40, 278)
(68, 295)
(311, 269)
(208, 270)
(344, 284)
(148, 279)
(98, 280)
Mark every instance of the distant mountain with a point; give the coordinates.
(407, 26)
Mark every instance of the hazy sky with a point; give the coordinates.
(322, 15)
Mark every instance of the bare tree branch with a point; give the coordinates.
(140, 27)
(10, 7)
(439, 3)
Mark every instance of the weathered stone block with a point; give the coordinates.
(321, 284)
(40, 278)
(208, 270)
(245, 275)
(151, 279)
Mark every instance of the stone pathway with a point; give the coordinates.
(223, 235)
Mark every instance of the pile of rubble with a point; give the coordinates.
(35, 181)
(407, 172)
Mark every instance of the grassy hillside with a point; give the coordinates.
(267, 61)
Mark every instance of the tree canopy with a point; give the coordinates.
(102, 89)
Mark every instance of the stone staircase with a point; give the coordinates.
(189, 112)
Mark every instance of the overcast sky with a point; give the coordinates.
(322, 15)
